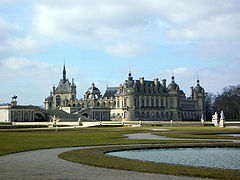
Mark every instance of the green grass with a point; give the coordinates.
(18, 140)
(199, 132)
(96, 157)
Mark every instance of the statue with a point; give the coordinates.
(215, 119)
(222, 120)
(222, 115)
(202, 119)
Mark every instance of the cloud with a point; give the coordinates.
(212, 79)
(126, 50)
(28, 78)
(107, 24)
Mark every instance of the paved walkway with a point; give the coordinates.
(45, 164)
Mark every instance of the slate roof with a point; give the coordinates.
(110, 92)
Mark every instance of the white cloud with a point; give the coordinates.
(107, 24)
(212, 79)
(126, 50)
(30, 79)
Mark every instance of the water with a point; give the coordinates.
(233, 135)
(226, 158)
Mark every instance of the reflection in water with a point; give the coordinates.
(226, 158)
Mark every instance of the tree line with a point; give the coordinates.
(228, 101)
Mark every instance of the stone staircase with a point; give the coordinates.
(65, 117)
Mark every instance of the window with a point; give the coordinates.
(147, 115)
(171, 103)
(58, 100)
(157, 102)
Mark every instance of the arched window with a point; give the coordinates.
(58, 100)
(98, 104)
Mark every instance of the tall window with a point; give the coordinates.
(171, 103)
(157, 102)
(58, 100)
(161, 102)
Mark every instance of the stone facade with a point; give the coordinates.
(134, 100)
(15, 113)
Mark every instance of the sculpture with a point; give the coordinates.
(222, 120)
(215, 119)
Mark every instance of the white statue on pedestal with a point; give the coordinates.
(222, 120)
(215, 119)
(202, 119)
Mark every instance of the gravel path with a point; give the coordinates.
(45, 164)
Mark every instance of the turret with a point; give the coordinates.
(130, 99)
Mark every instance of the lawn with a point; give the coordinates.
(18, 140)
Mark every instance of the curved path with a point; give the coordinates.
(45, 164)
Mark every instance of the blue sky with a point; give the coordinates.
(101, 39)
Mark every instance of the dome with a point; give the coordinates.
(93, 91)
(198, 88)
(172, 86)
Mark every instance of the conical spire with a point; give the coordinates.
(64, 74)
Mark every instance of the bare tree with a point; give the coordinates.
(229, 102)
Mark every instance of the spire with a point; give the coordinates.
(172, 75)
(64, 73)
(130, 75)
(198, 82)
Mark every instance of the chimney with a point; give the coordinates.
(156, 82)
(164, 83)
(191, 92)
(141, 80)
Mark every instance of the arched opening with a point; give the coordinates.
(85, 115)
(58, 100)
(98, 104)
(39, 118)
